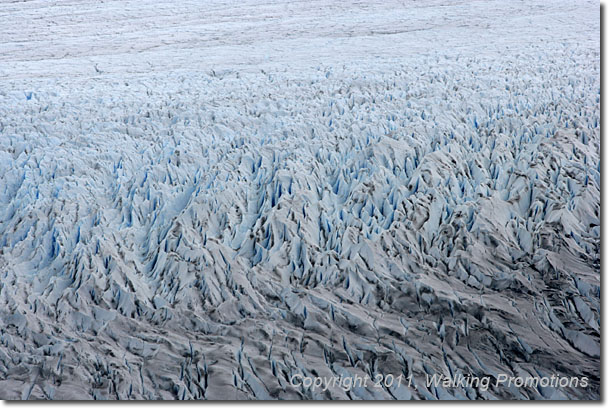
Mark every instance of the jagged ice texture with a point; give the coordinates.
(419, 201)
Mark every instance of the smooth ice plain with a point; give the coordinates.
(200, 200)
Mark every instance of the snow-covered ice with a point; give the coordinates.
(200, 201)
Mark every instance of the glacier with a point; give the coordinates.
(200, 202)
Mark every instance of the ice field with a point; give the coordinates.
(201, 200)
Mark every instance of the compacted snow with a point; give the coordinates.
(201, 201)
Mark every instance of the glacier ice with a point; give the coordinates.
(205, 216)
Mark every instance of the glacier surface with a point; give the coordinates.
(200, 202)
